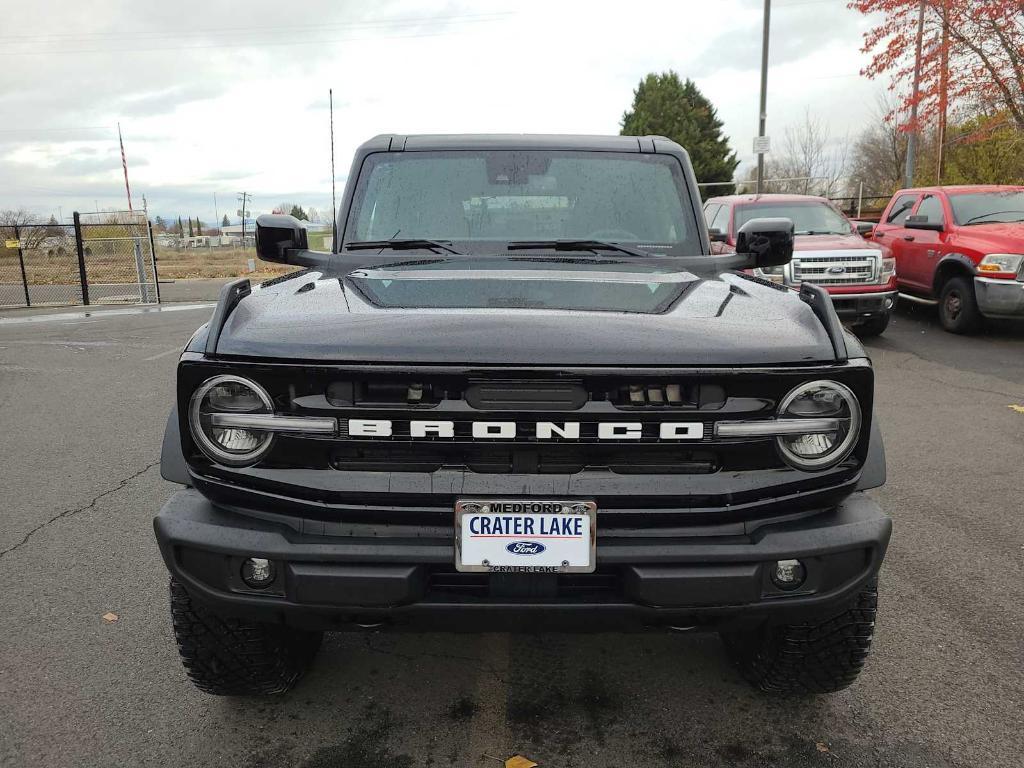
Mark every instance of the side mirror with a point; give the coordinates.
(276, 235)
(921, 222)
(864, 228)
(718, 236)
(766, 242)
(282, 239)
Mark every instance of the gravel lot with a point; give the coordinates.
(83, 400)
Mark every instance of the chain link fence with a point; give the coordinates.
(102, 258)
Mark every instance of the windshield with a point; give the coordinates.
(813, 217)
(988, 207)
(484, 199)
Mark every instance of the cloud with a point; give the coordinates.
(210, 100)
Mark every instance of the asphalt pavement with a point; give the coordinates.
(83, 401)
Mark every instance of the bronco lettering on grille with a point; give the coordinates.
(540, 430)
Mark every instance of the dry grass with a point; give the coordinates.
(214, 262)
(112, 264)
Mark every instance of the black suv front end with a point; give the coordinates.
(361, 531)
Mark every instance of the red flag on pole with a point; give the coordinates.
(124, 164)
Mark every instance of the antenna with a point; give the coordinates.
(334, 204)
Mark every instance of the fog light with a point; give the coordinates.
(258, 572)
(888, 303)
(788, 574)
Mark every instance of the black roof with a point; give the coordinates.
(425, 142)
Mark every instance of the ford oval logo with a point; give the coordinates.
(838, 269)
(525, 547)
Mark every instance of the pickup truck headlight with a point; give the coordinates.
(1000, 265)
(887, 270)
(233, 446)
(820, 400)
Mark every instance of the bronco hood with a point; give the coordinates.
(526, 311)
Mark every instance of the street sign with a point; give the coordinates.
(762, 145)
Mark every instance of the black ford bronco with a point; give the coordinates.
(521, 394)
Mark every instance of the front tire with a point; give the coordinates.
(873, 326)
(228, 656)
(821, 656)
(958, 306)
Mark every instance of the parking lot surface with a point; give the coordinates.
(83, 401)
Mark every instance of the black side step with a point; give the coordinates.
(821, 304)
(230, 295)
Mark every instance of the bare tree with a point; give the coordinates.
(880, 152)
(30, 236)
(808, 161)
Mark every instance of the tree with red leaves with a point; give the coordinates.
(972, 57)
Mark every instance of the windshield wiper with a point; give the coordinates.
(575, 245)
(974, 219)
(401, 245)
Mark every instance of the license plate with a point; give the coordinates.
(525, 536)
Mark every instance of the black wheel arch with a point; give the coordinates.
(172, 460)
(952, 265)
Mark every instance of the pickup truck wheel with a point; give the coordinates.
(227, 656)
(814, 657)
(958, 307)
(873, 326)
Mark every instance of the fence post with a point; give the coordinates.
(81, 260)
(152, 252)
(21, 262)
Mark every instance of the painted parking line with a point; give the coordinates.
(104, 313)
(151, 358)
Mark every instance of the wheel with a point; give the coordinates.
(227, 656)
(814, 657)
(958, 307)
(873, 326)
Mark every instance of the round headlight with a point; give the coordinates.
(229, 394)
(820, 400)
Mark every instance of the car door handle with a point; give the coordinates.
(908, 238)
(879, 234)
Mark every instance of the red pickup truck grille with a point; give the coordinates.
(835, 270)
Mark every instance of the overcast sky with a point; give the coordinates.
(219, 97)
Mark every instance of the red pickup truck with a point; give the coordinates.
(961, 246)
(828, 250)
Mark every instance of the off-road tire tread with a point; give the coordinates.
(813, 657)
(229, 656)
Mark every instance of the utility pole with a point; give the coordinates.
(763, 115)
(216, 213)
(244, 198)
(943, 102)
(908, 175)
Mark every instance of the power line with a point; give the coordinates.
(221, 46)
(275, 29)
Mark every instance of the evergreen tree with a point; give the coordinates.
(161, 225)
(667, 106)
(298, 213)
(191, 233)
(224, 222)
(181, 229)
(199, 226)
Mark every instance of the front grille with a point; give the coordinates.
(520, 459)
(819, 269)
(603, 584)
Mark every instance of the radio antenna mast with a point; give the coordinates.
(334, 204)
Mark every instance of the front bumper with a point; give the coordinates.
(999, 298)
(863, 305)
(376, 575)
